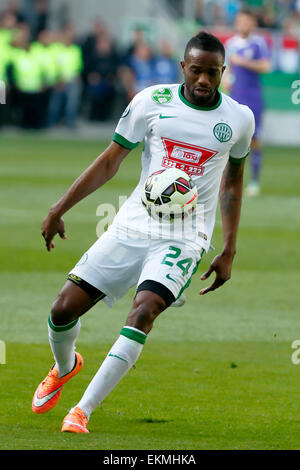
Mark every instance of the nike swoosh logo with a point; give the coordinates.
(118, 357)
(169, 277)
(166, 117)
(38, 402)
(68, 421)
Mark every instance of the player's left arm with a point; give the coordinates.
(230, 204)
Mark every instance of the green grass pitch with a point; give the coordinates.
(215, 374)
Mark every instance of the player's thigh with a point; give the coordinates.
(168, 269)
(112, 265)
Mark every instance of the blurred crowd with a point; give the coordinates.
(271, 14)
(53, 76)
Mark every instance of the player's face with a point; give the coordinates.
(202, 71)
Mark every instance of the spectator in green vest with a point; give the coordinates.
(41, 50)
(69, 64)
(26, 75)
(8, 28)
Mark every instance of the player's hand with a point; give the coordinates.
(50, 227)
(221, 264)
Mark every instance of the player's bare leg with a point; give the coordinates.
(63, 329)
(124, 353)
(145, 309)
(70, 304)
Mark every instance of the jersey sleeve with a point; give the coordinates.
(241, 149)
(132, 128)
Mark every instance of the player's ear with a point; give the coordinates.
(182, 63)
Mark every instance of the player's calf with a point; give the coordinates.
(64, 325)
(63, 329)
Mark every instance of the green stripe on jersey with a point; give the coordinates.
(238, 161)
(63, 327)
(119, 139)
(134, 335)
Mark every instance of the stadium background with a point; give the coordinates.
(118, 54)
(223, 362)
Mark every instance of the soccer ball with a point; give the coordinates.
(169, 194)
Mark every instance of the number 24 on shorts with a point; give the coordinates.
(183, 264)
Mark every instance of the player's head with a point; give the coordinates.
(203, 67)
(245, 22)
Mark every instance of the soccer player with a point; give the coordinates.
(191, 126)
(248, 56)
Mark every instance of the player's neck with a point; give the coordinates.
(207, 104)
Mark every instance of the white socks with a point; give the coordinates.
(122, 356)
(62, 341)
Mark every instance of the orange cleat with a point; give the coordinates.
(75, 421)
(48, 392)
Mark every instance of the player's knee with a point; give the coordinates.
(62, 312)
(146, 307)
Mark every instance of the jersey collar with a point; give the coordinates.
(200, 108)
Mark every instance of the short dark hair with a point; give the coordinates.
(206, 42)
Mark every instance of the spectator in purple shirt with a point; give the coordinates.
(248, 58)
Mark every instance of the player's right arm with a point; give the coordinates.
(130, 130)
(96, 175)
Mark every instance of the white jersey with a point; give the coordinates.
(178, 134)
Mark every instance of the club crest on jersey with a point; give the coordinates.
(187, 157)
(222, 132)
(162, 95)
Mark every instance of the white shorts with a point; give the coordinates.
(113, 265)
